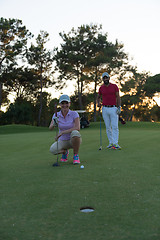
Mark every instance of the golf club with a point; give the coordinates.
(100, 148)
(56, 164)
(122, 120)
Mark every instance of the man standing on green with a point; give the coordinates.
(111, 108)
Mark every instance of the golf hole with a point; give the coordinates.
(87, 209)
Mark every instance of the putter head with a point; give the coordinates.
(100, 148)
(55, 164)
(122, 120)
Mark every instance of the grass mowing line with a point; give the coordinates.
(42, 202)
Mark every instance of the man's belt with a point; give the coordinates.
(109, 106)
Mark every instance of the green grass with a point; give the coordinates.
(9, 129)
(38, 201)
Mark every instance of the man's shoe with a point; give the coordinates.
(116, 147)
(64, 156)
(110, 146)
(76, 159)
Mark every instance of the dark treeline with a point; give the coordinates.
(28, 70)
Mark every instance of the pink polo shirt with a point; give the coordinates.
(66, 123)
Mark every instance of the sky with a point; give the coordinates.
(135, 23)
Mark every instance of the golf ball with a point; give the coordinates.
(82, 166)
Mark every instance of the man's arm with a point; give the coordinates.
(118, 99)
(99, 100)
(118, 102)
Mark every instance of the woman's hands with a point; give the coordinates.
(54, 123)
(59, 135)
(76, 127)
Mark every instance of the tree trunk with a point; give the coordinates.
(79, 94)
(132, 113)
(41, 99)
(40, 109)
(95, 100)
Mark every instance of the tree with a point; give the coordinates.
(135, 95)
(87, 99)
(106, 56)
(51, 107)
(41, 60)
(84, 54)
(152, 85)
(155, 113)
(46, 117)
(13, 42)
(72, 58)
(19, 112)
(21, 81)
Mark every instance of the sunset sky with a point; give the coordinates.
(135, 23)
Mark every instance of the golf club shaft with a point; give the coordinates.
(56, 131)
(100, 128)
(100, 133)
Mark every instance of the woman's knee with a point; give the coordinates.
(76, 137)
(75, 133)
(53, 149)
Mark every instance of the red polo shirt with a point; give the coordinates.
(108, 94)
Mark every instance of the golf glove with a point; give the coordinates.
(55, 121)
(118, 110)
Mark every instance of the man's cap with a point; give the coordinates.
(105, 74)
(65, 98)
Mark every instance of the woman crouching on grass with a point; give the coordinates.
(69, 126)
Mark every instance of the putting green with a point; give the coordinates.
(39, 201)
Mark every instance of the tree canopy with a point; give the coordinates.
(13, 43)
(41, 59)
(84, 54)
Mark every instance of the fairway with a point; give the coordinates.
(41, 202)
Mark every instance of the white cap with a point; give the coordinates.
(64, 98)
(105, 74)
